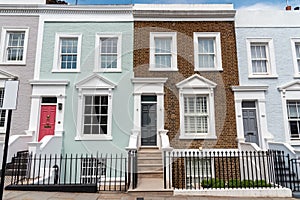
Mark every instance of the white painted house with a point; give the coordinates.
(267, 101)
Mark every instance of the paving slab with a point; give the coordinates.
(30, 195)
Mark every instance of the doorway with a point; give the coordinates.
(250, 122)
(148, 120)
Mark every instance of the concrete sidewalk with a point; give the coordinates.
(29, 195)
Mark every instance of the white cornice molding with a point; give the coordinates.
(183, 12)
(249, 88)
(49, 82)
(184, 15)
(146, 80)
(66, 9)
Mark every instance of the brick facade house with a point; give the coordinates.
(187, 78)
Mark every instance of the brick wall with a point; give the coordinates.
(224, 99)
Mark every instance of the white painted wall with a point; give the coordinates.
(281, 26)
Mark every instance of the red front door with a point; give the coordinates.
(47, 121)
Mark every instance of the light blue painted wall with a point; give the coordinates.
(122, 95)
(284, 67)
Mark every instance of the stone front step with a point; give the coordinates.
(151, 174)
(150, 160)
(151, 185)
(149, 167)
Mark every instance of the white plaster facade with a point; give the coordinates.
(272, 90)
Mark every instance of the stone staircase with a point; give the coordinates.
(150, 172)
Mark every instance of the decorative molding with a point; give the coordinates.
(184, 15)
(249, 88)
(294, 85)
(149, 80)
(6, 75)
(66, 9)
(196, 81)
(95, 81)
(49, 82)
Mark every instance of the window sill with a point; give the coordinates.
(108, 70)
(66, 71)
(93, 138)
(295, 142)
(13, 63)
(197, 137)
(163, 70)
(263, 76)
(208, 70)
(297, 76)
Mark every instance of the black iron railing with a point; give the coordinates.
(107, 172)
(225, 169)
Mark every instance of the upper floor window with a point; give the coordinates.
(163, 51)
(261, 58)
(108, 53)
(67, 53)
(296, 55)
(14, 46)
(207, 50)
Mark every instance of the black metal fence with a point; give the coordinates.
(104, 172)
(227, 169)
(183, 169)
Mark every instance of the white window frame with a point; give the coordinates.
(57, 52)
(97, 52)
(89, 169)
(80, 117)
(173, 36)
(271, 66)
(295, 41)
(217, 44)
(4, 43)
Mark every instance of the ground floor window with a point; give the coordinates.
(95, 114)
(92, 169)
(293, 109)
(2, 112)
(196, 114)
(196, 170)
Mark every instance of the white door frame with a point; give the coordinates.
(151, 86)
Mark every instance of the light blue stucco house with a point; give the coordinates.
(268, 98)
(82, 91)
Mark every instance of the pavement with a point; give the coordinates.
(29, 195)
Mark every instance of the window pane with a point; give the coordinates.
(95, 114)
(68, 53)
(163, 45)
(206, 52)
(293, 109)
(206, 61)
(108, 52)
(163, 61)
(259, 57)
(206, 45)
(109, 45)
(196, 114)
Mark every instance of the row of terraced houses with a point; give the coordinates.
(171, 85)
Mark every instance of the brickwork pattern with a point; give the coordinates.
(224, 98)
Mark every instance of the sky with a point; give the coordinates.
(238, 4)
